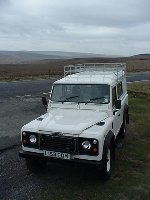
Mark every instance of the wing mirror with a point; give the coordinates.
(44, 101)
(118, 104)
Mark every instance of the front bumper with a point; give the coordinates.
(37, 156)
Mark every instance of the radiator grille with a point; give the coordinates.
(58, 143)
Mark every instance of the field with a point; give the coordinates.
(49, 68)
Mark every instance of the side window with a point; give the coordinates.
(119, 89)
(114, 96)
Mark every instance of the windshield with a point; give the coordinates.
(80, 93)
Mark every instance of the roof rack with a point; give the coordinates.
(102, 67)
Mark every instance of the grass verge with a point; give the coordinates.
(141, 89)
(131, 176)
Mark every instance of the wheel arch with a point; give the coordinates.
(109, 140)
(126, 113)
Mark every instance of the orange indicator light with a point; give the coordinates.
(94, 150)
(24, 141)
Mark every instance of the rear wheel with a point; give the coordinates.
(35, 166)
(123, 128)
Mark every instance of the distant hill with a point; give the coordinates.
(22, 57)
(71, 55)
(16, 57)
(141, 57)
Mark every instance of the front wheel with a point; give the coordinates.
(107, 163)
(35, 166)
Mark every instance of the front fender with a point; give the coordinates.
(103, 133)
(109, 139)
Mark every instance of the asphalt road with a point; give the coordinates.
(37, 87)
(57, 182)
(21, 88)
(14, 113)
(139, 76)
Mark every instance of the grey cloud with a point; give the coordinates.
(114, 13)
(75, 25)
(4, 2)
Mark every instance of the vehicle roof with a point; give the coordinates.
(93, 77)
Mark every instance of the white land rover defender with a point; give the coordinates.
(86, 113)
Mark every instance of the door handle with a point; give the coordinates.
(119, 114)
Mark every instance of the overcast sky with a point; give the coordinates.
(116, 27)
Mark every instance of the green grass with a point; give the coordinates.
(131, 176)
(27, 77)
(141, 87)
(140, 114)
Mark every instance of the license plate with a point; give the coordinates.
(54, 154)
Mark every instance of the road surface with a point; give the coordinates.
(37, 87)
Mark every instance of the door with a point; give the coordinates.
(116, 113)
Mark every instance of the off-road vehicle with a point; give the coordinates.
(86, 114)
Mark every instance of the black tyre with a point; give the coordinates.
(123, 128)
(35, 166)
(107, 162)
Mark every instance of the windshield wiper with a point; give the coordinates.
(71, 97)
(93, 99)
(81, 102)
(65, 100)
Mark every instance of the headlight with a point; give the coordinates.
(86, 145)
(32, 139)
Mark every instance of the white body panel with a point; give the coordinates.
(67, 121)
